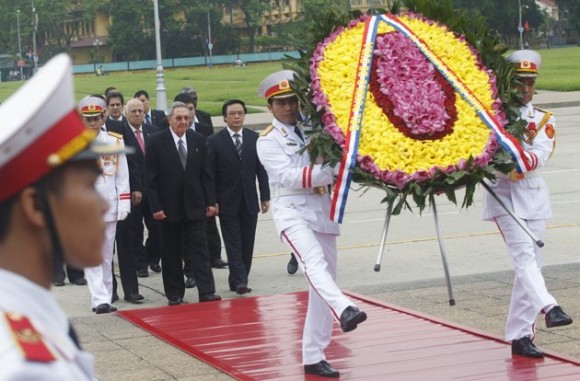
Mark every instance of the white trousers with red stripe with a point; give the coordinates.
(100, 278)
(529, 294)
(316, 254)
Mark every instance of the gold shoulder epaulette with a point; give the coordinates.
(29, 340)
(542, 110)
(115, 135)
(267, 130)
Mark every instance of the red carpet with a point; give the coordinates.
(259, 338)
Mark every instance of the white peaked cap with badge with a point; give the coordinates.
(41, 129)
(90, 105)
(527, 63)
(277, 85)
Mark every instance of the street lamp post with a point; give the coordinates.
(34, 30)
(520, 27)
(97, 44)
(19, 43)
(209, 43)
(160, 83)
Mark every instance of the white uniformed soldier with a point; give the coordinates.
(527, 195)
(301, 209)
(113, 186)
(50, 213)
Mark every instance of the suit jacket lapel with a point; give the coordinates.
(172, 148)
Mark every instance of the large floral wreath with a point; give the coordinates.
(419, 133)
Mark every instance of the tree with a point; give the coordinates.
(253, 11)
(503, 16)
(572, 11)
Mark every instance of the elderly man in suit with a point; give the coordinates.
(214, 243)
(236, 167)
(181, 197)
(137, 134)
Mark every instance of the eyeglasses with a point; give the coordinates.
(236, 113)
(136, 111)
(182, 118)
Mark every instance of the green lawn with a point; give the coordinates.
(560, 72)
(560, 69)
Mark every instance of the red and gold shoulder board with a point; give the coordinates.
(29, 340)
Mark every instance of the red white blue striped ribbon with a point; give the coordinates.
(348, 161)
(521, 158)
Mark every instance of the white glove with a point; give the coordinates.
(122, 215)
(335, 169)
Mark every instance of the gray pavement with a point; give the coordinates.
(411, 275)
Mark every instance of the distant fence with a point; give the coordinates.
(183, 62)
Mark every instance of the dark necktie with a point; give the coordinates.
(299, 133)
(148, 119)
(182, 153)
(238, 143)
(139, 137)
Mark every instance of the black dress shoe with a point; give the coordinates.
(322, 369)
(143, 273)
(175, 300)
(557, 318)
(104, 309)
(350, 318)
(292, 265)
(58, 283)
(190, 282)
(219, 264)
(155, 268)
(209, 297)
(243, 289)
(134, 298)
(80, 282)
(525, 347)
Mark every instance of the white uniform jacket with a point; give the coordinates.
(527, 194)
(23, 300)
(113, 183)
(292, 181)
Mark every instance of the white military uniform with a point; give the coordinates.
(41, 348)
(113, 186)
(301, 215)
(527, 196)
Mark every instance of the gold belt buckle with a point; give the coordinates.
(320, 190)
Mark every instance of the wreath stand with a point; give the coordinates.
(521, 223)
(439, 238)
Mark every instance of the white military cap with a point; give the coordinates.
(277, 85)
(41, 129)
(527, 63)
(90, 105)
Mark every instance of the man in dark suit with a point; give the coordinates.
(200, 116)
(236, 166)
(181, 196)
(115, 106)
(137, 135)
(152, 117)
(213, 236)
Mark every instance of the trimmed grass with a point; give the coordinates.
(560, 69)
(560, 72)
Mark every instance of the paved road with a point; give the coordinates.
(411, 275)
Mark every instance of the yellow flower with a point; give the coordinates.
(380, 139)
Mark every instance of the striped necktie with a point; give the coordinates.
(238, 143)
